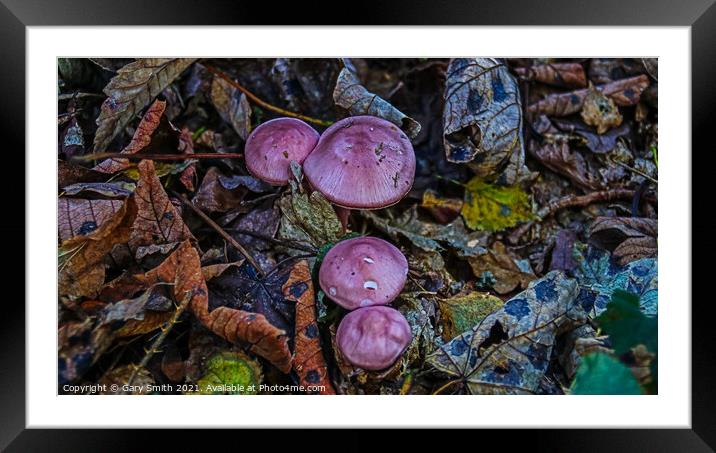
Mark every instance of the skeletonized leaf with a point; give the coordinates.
(232, 105)
(158, 222)
(77, 216)
(482, 119)
(130, 90)
(354, 97)
(509, 351)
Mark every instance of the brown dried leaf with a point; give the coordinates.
(556, 74)
(309, 362)
(232, 105)
(628, 238)
(350, 94)
(81, 270)
(133, 88)
(624, 92)
(482, 119)
(77, 216)
(503, 265)
(558, 157)
(221, 193)
(141, 139)
(158, 221)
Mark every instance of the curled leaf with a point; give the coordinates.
(130, 90)
(350, 94)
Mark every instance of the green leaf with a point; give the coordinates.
(626, 325)
(601, 374)
(230, 373)
(463, 311)
(494, 208)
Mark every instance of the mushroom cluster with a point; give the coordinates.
(360, 162)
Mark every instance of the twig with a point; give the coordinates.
(166, 328)
(262, 103)
(221, 231)
(573, 201)
(638, 172)
(438, 391)
(284, 243)
(140, 156)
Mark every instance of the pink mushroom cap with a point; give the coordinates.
(362, 162)
(373, 338)
(363, 271)
(274, 144)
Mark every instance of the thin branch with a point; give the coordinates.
(223, 233)
(283, 243)
(262, 103)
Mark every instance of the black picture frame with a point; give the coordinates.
(16, 15)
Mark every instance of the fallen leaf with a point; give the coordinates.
(139, 315)
(308, 363)
(72, 142)
(600, 374)
(350, 94)
(561, 159)
(597, 143)
(106, 189)
(504, 267)
(624, 92)
(158, 221)
(509, 351)
(406, 226)
(562, 258)
(628, 238)
(119, 377)
(141, 139)
(494, 208)
(81, 271)
(77, 216)
(600, 111)
(221, 193)
(461, 312)
(69, 173)
(130, 90)
(444, 210)
(626, 324)
(230, 373)
(232, 105)
(556, 74)
(79, 347)
(482, 118)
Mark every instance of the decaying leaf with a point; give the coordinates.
(141, 139)
(407, 226)
(350, 94)
(509, 351)
(230, 373)
(309, 218)
(494, 208)
(141, 384)
(628, 238)
(308, 361)
(130, 90)
(82, 271)
(77, 216)
(504, 267)
(482, 119)
(600, 111)
(623, 92)
(557, 74)
(463, 311)
(158, 221)
(232, 105)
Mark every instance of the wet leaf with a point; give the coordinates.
(600, 374)
(232, 105)
(509, 351)
(158, 221)
(141, 384)
(77, 216)
(504, 270)
(482, 118)
(494, 208)
(600, 111)
(230, 373)
(82, 271)
(309, 363)
(556, 74)
(624, 92)
(350, 94)
(130, 90)
(463, 311)
(628, 238)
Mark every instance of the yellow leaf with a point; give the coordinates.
(494, 208)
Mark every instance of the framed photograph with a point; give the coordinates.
(447, 219)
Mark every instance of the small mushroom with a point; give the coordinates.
(373, 338)
(362, 162)
(363, 271)
(274, 144)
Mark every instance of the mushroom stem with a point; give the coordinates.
(343, 215)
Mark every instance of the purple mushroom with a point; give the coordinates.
(373, 338)
(362, 162)
(274, 144)
(363, 271)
